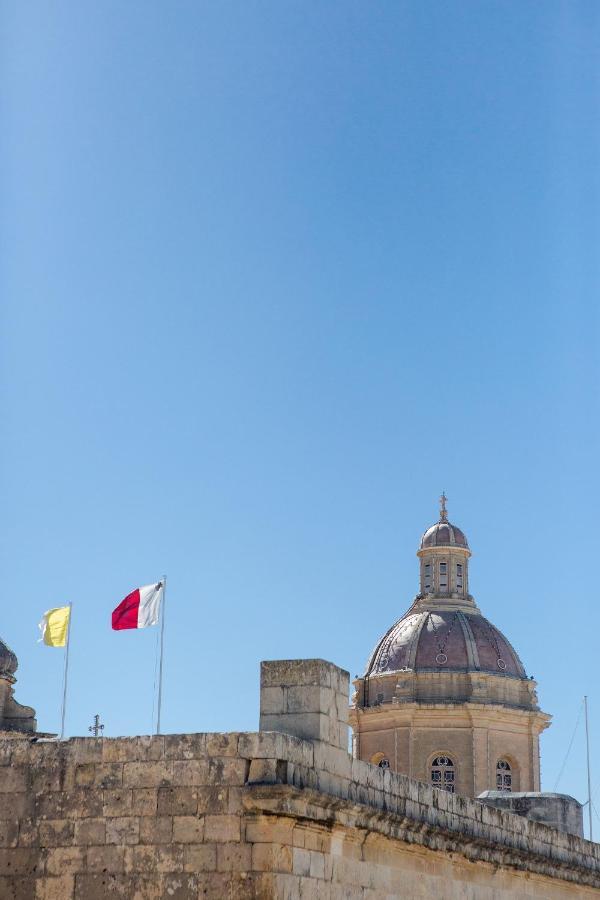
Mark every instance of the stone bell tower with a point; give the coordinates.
(445, 697)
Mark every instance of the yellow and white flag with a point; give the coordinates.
(55, 626)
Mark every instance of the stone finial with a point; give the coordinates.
(307, 698)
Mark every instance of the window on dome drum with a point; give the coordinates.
(427, 576)
(503, 776)
(443, 568)
(459, 570)
(442, 773)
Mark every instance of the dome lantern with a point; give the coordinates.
(444, 553)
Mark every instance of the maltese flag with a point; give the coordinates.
(140, 608)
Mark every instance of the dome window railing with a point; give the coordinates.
(442, 774)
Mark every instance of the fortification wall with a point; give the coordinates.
(262, 815)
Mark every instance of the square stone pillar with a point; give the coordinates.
(307, 698)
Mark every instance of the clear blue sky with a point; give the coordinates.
(273, 275)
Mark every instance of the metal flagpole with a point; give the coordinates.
(65, 675)
(160, 667)
(587, 744)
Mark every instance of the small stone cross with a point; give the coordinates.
(96, 728)
(443, 513)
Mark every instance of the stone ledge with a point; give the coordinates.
(496, 849)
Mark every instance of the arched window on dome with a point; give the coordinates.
(443, 580)
(503, 776)
(427, 576)
(381, 760)
(459, 577)
(442, 773)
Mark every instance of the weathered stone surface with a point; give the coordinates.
(557, 810)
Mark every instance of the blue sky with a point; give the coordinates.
(273, 275)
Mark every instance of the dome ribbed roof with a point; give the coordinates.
(444, 534)
(445, 640)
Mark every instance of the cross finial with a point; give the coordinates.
(443, 512)
(96, 728)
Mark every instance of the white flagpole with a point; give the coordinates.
(65, 675)
(589, 780)
(160, 667)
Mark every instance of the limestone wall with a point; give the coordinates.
(258, 815)
(262, 815)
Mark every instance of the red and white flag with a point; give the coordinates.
(139, 609)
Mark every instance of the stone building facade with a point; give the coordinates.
(284, 813)
(445, 698)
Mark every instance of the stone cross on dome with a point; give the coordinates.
(443, 511)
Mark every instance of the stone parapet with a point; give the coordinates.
(258, 815)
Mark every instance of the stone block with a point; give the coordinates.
(184, 886)
(106, 884)
(200, 858)
(146, 748)
(285, 672)
(268, 771)
(146, 859)
(272, 858)
(122, 830)
(99, 775)
(308, 726)
(9, 832)
(65, 860)
(177, 801)
(275, 745)
(60, 887)
(234, 857)
(212, 799)
(20, 861)
(226, 770)
(333, 759)
(156, 829)
(13, 779)
(301, 861)
(191, 772)
(270, 829)
(222, 828)
(188, 829)
(309, 698)
(272, 700)
(147, 774)
(105, 859)
(222, 744)
(185, 746)
(144, 801)
(117, 802)
(90, 831)
(56, 832)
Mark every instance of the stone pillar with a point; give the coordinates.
(307, 698)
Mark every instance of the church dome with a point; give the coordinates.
(444, 534)
(439, 640)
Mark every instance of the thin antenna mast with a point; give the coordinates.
(589, 781)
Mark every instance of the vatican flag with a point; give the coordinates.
(55, 626)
